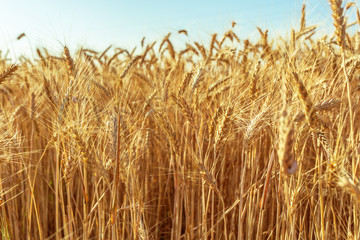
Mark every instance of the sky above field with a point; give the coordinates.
(97, 24)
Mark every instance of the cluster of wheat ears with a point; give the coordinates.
(238, 140)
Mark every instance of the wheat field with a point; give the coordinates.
(240, 139)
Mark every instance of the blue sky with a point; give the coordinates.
(97, 24)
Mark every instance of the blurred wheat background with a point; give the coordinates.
(239, 139)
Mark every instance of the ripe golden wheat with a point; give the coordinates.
(238, 139)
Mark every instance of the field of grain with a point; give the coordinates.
(236, 140)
